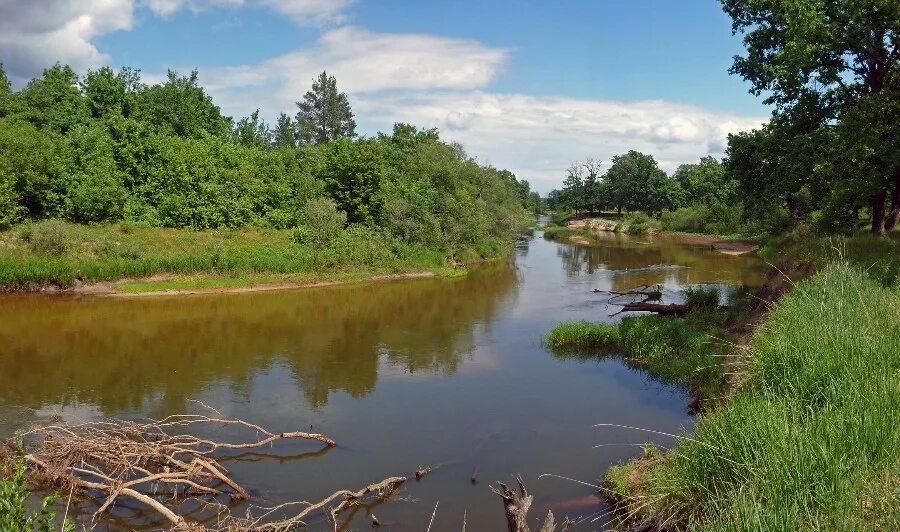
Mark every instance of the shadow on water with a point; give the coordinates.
(400, 374)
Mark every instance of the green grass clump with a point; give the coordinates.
(582, 334)
(686, 351)
(810, 441)
(15, 511)
(702, 297)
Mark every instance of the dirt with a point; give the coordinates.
(109, 289)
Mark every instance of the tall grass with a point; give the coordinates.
(111, 252)
(810, 442)
(685, 351)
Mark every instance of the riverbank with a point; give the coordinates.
(586, 232)
(806, 435)
(123, 259)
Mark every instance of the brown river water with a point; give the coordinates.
(404, 374)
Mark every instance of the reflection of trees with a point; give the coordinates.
(633, 262)
(119, 354)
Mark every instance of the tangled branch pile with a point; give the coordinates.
(158, 465)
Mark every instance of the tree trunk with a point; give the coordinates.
(893, 217)
(878, 212)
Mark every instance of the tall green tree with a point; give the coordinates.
(324, 114)
(181, 107)
(284, 135)
(835, 53)
(636, 183)
(54, 100)
(107, 92)
(706, 182)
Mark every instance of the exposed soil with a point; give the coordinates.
(110, 289)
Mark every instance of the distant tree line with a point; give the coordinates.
(107, 147)
(829, 155)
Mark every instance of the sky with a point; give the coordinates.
(527, 85)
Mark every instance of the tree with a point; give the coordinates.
(54, 101)
(5, 93)
(285, 134)
(706, 182)
(181, 107)
(636, 183)
(109, 93)
(251, 131)
(325, 113)
(833, 53)
(572, 196)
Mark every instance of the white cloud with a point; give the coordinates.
(36, 34)
(300, 11)
(538, 137)
(363, 62)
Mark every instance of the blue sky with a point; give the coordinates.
(527, 85)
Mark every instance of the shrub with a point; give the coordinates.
(322, 221)
(14, 512)
(638, 223)
(685, 219)
(47, 237)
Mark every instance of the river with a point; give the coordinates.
(428, 372)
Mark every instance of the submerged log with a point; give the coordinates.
(673, 309)
(517, 504)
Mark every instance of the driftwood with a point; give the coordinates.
(672, 309)
(345, 499)
(148, 462)
(517, 503)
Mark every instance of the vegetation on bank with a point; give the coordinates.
(15, 513)
(131, 162)
(688, 351)
(55, 253)
(809, 439)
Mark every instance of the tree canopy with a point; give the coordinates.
(324, 114)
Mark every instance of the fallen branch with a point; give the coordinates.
(146, 462)
(672, 309)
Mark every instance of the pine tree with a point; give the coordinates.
(325, 113)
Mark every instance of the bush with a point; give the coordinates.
(14, 512)
(685, 219)
(638, 223)
(47, 237)
(322, 221)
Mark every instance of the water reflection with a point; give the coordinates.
(627, 261)
(123, 354)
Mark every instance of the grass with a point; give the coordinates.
(583, 334)
(685, 351)
(53, 253)
(809, 442)
(702, 297)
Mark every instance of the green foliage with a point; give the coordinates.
(583, 334)
(638, 223)
(324, 114)
(181, 107)
(46, 237)
(680, 350)
(702, 297)
(14, 512)
(107, 149)
(811, 439)
(322, 222)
